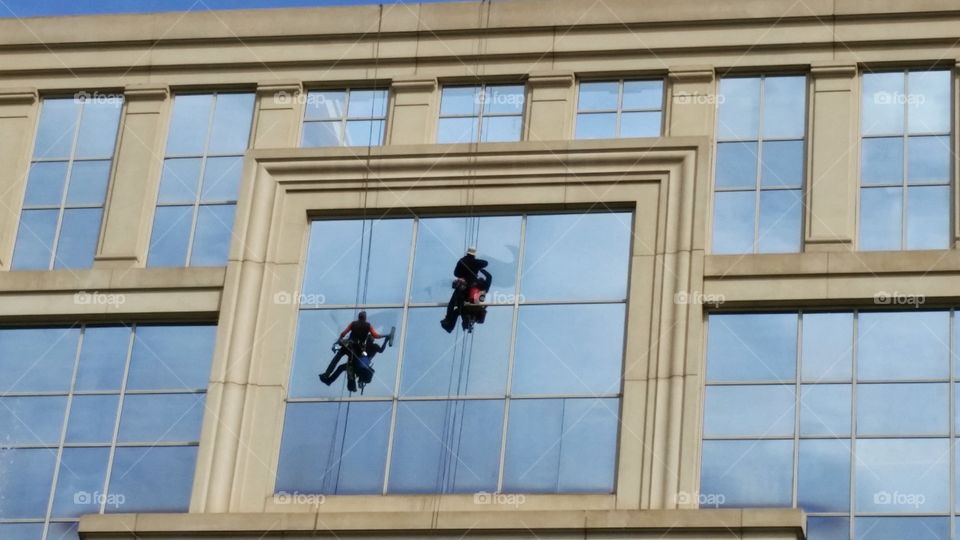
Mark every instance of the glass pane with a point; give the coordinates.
(92, 419)
(881, 160)
(460, 100)
(102, 357)
(640, 124)
(321, 134)
(326, 105)
(642, 95)
(152, 479)
(825, 410)
(221, 179)
(902, 475)
(782, 164)
(823, 475)
(903, 345)
(928, 160)
(63, 531)
(747, 473)
(569, 349)
(880, 217)
(22, 531)
(180, 179)
(784, 100)
(733, 411)
(602, 246)
(79, 233)
(58, 124)
(436, 365)
(98, 127)
(157, 418)
(80, 483)
(231, 124)
(752, 347)
(903, 409)
(501, 129)
(733, 222)
(827, 346)
(88, 183)
(442, 241)
(780, 214)
(598, 96)
(37, 359)
(45, 184)
(364, 133)
(379, 250)
(35, 240)
(171, 356)
(334, 448)
(736, 165)
(211, 241)
(561, 445)
(446, 446)
(928, 217)
(503, 99)
(897, 528)
(739, 115)
(368, 104)
(928, 106)
(25, 487)
(318, 329)
(171, 235)
(596, 126)
(32, 420)
(189, 124)
(828, 528)
(882, 103)
(457, 130)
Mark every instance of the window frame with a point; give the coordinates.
(343, 120)
(619, 111)
(477, 136)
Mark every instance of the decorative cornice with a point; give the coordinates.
(551, 78)
(146, 91)
(833, 70)
(11, 96)
(691, 74)
(414, 84)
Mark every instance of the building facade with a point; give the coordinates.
(723, 238)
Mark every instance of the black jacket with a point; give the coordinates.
(468, 268)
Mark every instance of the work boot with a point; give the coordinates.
(448, 325)
(352, 384)
(325, 379)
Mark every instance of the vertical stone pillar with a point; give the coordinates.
(692, 103)
(281, 110)
(128, 213)
(831, 219)
(414, 119)
(550, 106)
(18, 108)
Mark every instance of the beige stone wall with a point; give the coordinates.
(550, 44)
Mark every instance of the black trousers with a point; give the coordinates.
(332, 369)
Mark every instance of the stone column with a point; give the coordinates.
(691, 105)
(18, 108)
(414, 119)
(128, 213)
(281, 110)
(550, 104)
(831, 220)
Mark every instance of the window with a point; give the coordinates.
(905, 158)
(193, 224)
(67, 183)
(98, 419)
(610, 109)
(759, 172)
(857, 419)
(352, 117)
(512, 407)
(484, 113)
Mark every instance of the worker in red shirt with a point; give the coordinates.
(355, 345)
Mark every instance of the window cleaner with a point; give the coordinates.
(470, 285)
(359, 347)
